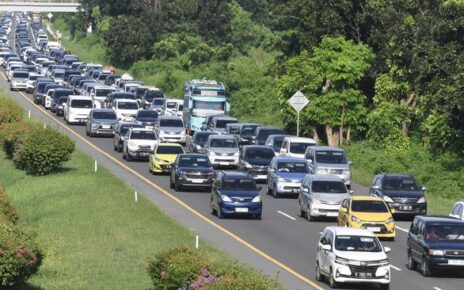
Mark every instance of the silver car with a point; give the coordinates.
(19, 80)
(329, 160)
(171, 129)
(321, 196)
(101, 122)
(222, 150)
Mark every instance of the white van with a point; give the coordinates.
(77, 109)
(52, 45)
(99, 94)
(296, 146)
(126, 109)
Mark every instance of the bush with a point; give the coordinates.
(241, 282)
(176, 268)
(20, 255)
(11, 134)
(8, 213)
(10, 111)
(41, 151)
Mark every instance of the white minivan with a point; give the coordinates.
(77, 109)
(296, 146)
(126, 109)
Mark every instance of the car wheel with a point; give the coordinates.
(301, 212)
(425, 269)
(213, 211)
(319, 276)
(124, 155)
(275, 194)
(220, 215)
(171, 184)
(258, 216)
(119, 148)
(384, 286)
(309, 217)
(332, 283)
(269, 191)
(176, 186)
(412, 265)
(87, 132)
(128, 157)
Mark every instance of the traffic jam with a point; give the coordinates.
(196, 146)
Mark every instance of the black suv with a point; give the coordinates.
(436, 243)
(235, 193)
(255, 159)
(191, 170)
(401, 192)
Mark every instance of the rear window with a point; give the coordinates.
(103, 93)
(147, 114)
(239, 184)
(128, 105)
(331, 157)
(159, 102)
(368, 206)
(223, 123)
(200, 138)
(170, 150)
(171, 123)
(20, 75)
(299, 147)
(248, 130)
(87, 104)
(259, 154)
(264, 133)
(328, 187)
(171, 105)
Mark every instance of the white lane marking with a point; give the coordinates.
(394, 267)
(436, 288)
(401, 229)
(286, 215)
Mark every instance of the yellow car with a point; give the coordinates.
(367, 212)
(163, 156)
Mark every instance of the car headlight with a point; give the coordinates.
(236, 153)
(421, 200)
(212, 153)
(321, 171)
(256, 199)
(247, 165)
(182, 172)
(387, 199)
(132, 145)
(355, 219)
(95, 125)
(342, 261)
(389, 220)
(384, 262)
(346, 171)
(226, 198)
(315, 201)
(161, 160)
(436, 252)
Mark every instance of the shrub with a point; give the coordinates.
(42, 150)
(12, 133)
(8, 213)
(241, 282)
(10, 111)
(176, 268)
(20, 255)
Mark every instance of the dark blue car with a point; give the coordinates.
(191, 170)
(285, 174)
(235, 193)
(435, 244)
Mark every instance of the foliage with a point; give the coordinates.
(8, 213)
(10, 111)
(176, 268)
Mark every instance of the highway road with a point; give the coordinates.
(280, 243)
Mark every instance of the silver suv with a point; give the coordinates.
(321, 196)
(222, 150)
(329, 160)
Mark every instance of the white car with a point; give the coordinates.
(173, 107)
(30, 85)
(458, 210)
(352, 255)
(99, 94)
(126, 109)
(77, 109)
(139, 143)
(296, 146)
(19, 80)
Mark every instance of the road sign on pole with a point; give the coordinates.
(50, 16)
(298, 101)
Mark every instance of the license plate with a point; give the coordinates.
(332, 214)
(149, 127)
(363, 275)
(143, 153)
(405, 207)
(374, 229)
(105, 126)
(456, 262)
(241, 209)
(197, 181)
(262, 176)
(223, 163)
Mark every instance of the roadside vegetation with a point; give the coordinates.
(91, 232)
(380, 76)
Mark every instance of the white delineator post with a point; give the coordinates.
(197, 242)
(136, 196)
(95, 166)
(298, 101)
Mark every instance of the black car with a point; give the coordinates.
(246, 132)
(39, 90)
(147, 117)
(198, 141)
(401, 192)
(275, 142)
(436, 244)
(117, 95)
(120, 132)
(191, 170)
(255, 159)
(260, 134)
(59, 97)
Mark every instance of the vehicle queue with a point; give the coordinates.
(146, 125)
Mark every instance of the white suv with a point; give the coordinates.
(352, 255)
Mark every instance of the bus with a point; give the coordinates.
(203, 98)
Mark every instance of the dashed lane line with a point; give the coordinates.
(286, 215)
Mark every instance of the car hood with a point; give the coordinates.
(152, 143)
(171, 129)
(331, 197)
(239, 193)
(167, 157)
(366, 256)
(259, 162)
(105, 121)
(333, 166)
(223, 150)
(446, 245)
(401, 193)
(371, 216)
(293, 176)
(196, 169)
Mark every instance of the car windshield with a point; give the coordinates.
(200, 138)
(104, 115)
(259, 154)
(150, 95)
(444, 232)
(103, 93)
(159, 102)
(147, 114)
(400, 183)
(58, 75)
(264, 133)
(328, 187)
(171, 105)
(81, 104)
(125, 128)
(170, 150)
(21, 75)
(143, 135)
(239, 184)
(58, 94)
(299, 147)
(331, 157)
(223, 143)
(33, 78)
(233, 129)
(196, 161)
(223, 123)
(171, 123)
(128, 105)
(357, 244)
(248, 130)
(368, 206)
(292, 167)
(124, 96)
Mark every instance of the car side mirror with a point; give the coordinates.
(283, 151)
(309, 161)
(305, 189)
(198, 147)
(424, 188)
(260, 188)
(351, 191)
(344, 209)
(271, 170)
(375, 187)
(350, 163)
(387, 250)
(393, 211)
(326, 247)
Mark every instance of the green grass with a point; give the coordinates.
(93, 233)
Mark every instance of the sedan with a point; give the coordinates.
(191, 170)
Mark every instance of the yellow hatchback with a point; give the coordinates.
(367, 212)
(163, 157)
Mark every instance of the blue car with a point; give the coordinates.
(235, 193)
(285, 174)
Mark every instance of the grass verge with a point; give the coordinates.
(92, 232)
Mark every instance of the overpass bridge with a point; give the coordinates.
(40, 6)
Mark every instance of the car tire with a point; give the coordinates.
(87, 132)
(275, 194)
(219, 214)
(171, 184)
(212, 210)
(177, 187)
(332, 283)
(384, 286)
(309, 217)
(412, 265)
(119, 148)
(318, 276)
(269, 191)
(425, 269)
(258, 217)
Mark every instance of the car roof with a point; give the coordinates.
(347, 231)
(249, 147)
(300, 139)
(236, 174)
(102, 110)
(126, 100)
(225, 118)
(440, 219)
(328, 148)
(289, 159)
(364, 197)
(325, 177)
(395, 175)
(170, 118)
(218, 136)
(169, 145)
